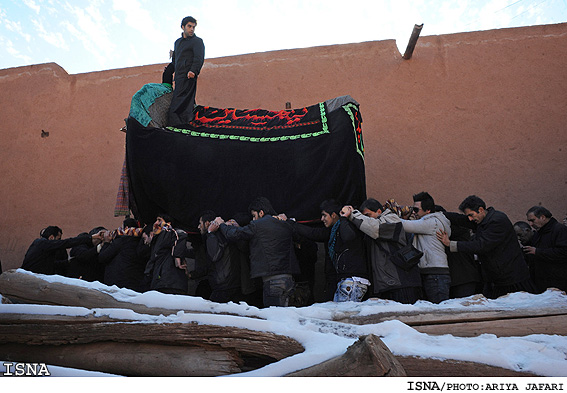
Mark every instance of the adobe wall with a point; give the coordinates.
(474, 113)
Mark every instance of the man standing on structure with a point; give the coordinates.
(187, 59)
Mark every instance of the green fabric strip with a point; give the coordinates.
(357, 134)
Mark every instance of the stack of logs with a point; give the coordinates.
(135, 348)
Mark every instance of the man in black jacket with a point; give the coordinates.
(504, 269)
(83, 261)
(346, 269)
(272, 254)
(221, 263)
(187, 59)
(124, 263)
(548, 255)
(48, 253)
(165, 268)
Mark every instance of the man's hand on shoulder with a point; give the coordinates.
(346, 211)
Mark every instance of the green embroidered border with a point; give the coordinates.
(241, 138)
(359, 145)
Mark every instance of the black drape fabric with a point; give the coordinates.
(225, 158)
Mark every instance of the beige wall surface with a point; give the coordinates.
(474, 113)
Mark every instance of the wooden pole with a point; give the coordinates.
(412, 41)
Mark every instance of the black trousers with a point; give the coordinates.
(183, 101)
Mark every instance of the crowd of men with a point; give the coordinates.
(400, 253)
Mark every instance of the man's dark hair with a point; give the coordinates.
(242, 218)
(130, 223)
(51, 230)
(96, 230)
(208, 215)
(262, 204)
(330, 206)
(427, 202)
(166, 218)
(473, 203)
(371, 204)
(539, 211)
(147, 229)
(188, 19)
(523, 225)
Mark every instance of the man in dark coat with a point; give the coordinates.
(272, 254)
(124, 266)
(548, 255)
(48, 253)
(346, 269)
(466, 278)
(221, 262)
(165, 268)
(84, 263)
(187, 59)
(504, 269)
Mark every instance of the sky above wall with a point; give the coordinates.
(94, 35)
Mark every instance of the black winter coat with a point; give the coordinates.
(165, 247)
(188, 55)
(463, 267)
(271, 246)
(50, 256)
(496, 244)
(550, 260)
(124, 266)
(350, 259)
(222, 263)
(84, 263)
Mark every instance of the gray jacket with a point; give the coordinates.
(434, 259)
(371, 226)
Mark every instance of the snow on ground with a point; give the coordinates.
(323, 338)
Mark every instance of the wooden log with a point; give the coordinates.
(555, 324)
(31, 289)
(129, 359)
(449, 316)
(368, 357)
(426, 367)
(51, 330)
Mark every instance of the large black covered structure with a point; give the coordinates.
(225, 158)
